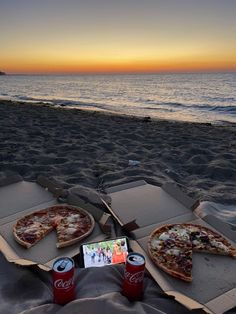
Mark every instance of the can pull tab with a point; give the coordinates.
(62, 266)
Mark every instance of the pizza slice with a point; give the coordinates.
(32, 228)
(170, 248)
(207, 240)
(176, 260)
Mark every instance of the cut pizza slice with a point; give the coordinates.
(32, 228)
(206, 240)
(175, 259)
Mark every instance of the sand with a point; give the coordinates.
(93, 150)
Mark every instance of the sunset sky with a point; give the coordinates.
(47, 36)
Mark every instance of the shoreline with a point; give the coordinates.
(84, 107)
(92, 149)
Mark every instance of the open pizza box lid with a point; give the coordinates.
(18, 198)
(140, 208)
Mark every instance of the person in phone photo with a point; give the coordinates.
(118, 254)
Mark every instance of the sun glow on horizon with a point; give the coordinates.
(120, 65)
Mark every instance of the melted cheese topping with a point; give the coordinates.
(73, 218)
(175, 252)
(180, 233)
(219, 245)
(71, 230)
(196, 242)
(156, 244)
(35, 227)
(164, 236)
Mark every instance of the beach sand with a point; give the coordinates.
(93, 149)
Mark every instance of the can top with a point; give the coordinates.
(63, 264)
(136, 259)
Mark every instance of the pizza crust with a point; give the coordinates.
(73, 241)
(23, 243)
(175, 273)
(170, 271)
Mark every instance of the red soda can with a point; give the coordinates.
(63, 280)
(133, 277)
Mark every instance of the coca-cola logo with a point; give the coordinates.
(135, 278)
(61, 284)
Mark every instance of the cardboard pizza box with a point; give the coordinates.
(140, 208)
(18, 198)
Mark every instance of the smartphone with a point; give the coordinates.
(108, 252)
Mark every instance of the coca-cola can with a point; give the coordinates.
(133, 277)
(63, 280)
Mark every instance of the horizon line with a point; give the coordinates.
(123, 72)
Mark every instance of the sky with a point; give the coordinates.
(99, 36)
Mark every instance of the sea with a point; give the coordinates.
(196, 97)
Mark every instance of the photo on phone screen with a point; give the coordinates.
(103, 253)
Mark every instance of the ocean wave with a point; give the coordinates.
(59, 101)
(220, 99)
(149, 105)
(175, 105)
(26, 98)
(229, 109)
(158, 109)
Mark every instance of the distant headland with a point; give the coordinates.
(2, 73)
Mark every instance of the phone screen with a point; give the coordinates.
(103, 253)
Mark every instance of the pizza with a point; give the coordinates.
(71, 224)
(171, 247)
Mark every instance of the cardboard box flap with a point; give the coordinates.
(10, 179)
(125, 186)
(221, 226)
(173, 190)
(189, 303)
(20, 196)
(143, 204)
(130, 226)
(223, 303)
